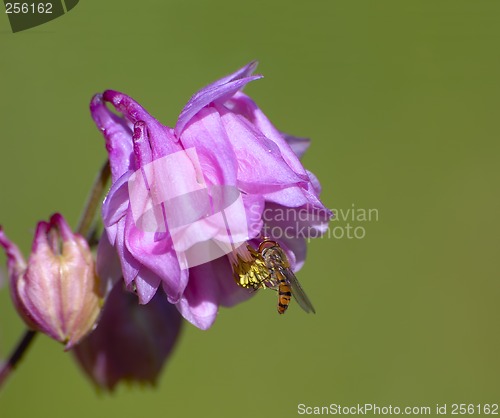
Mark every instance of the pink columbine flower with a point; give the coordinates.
(224, 173)
(131, 342)
(57, 291)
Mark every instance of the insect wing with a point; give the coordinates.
(297, 291)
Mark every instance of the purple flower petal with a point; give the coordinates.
(117, 133)
(130, 265)
(117, 202)
(255, 155)
(163, 141)
(243, 105)
(229, 293)
(234, 166)
(243, 72)
(218, 91)
(297, 196)
(254, 206)
(207, 135)
(290, 223)
(298, 145)
(297, 247)
(142, 147)
(199, 303)
(107, 265)
(314, 182)
(146, 284)
(159, 256)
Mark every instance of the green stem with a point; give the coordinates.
(94, 200)
(84, 227)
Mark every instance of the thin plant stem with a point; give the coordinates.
(84, 228)
(16, 355)
(94, 200)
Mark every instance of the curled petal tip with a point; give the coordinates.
(253, 65)
(58, 221)
(95, 101)
(245, 71)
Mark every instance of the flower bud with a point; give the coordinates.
(57, 291)
(131, 342)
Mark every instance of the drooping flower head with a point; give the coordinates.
(131, 342)
(185, 201)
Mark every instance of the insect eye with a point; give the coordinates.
(264, 245)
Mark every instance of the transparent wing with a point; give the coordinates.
(297, 291)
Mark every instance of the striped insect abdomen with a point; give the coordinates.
(284, 295)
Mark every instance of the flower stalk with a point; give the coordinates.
(94, 200)
(16, 355)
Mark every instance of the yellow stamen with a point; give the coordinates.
(249, 268)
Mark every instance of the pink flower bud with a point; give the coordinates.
(57, 291)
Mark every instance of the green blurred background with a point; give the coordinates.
(401, 99)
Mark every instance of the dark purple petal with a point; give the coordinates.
(131, 342)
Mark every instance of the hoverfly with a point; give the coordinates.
(271, 268)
